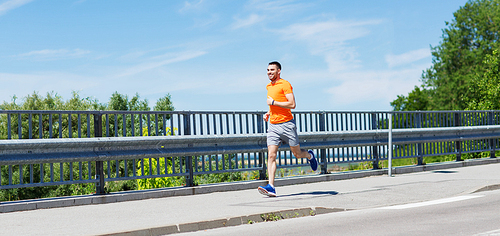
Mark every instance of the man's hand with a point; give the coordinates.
(266, 116)
(270, 101)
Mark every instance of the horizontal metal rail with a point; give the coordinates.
(35, 151)
(33, 124)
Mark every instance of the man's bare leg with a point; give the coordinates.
(300, 153)
(272, 152)
(269, 189)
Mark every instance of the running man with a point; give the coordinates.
(282, 127)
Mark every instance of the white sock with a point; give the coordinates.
(271, 185)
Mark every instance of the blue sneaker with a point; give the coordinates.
(313, 161)
(268, 190)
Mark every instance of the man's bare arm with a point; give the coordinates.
(290, 104)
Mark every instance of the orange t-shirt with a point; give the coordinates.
(277, 91)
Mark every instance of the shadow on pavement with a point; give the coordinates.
(311, 193)
(445, 171)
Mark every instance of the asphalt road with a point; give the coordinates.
(470, 214)
(439, 202)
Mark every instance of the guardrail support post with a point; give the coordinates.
(458, 144)
(493, 142)
(389, 147)
(99, 165)
(188, 159)
(374, 151)
(420, 152)
(323, 157)
(262, 155)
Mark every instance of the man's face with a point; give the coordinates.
(273, 72)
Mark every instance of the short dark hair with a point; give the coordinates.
(275, 63)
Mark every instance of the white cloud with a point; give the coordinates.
(191, 5)
(159, 61)
(348, 83)
(265, 10)
(330, 39)
(61, 83)
(201, 13)
(276, 6)
(145, 70)
(131, 56)
(341, 58)
(51, 54)
(379, 85)
(205, 22)
(407, 58)
(251, 20)
(12, 4)
(328, 32)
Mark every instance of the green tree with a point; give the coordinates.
(34, 101)
(120, 102)
(136, 104)
(484, 92)
(77, 103)
(52, 101)
(164, 104)
(469, 37)
(417, 100)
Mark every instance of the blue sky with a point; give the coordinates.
(212, 55)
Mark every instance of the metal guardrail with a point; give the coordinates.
(66, 147)
(37, 151)
(79, 124)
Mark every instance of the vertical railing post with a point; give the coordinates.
(9, 127)
(458, 144)
(374, 152)
(188, 159)
(322, 155)
(389, 146)
(493, 142)
(99, 165)
(420, 152)
(262, 155)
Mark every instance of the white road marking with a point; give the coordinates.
(489, 233)
(430, 203)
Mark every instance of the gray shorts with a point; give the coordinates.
(283, 133)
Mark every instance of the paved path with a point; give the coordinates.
(470, 214)
(222, 209)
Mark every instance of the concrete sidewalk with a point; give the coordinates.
(297, 197)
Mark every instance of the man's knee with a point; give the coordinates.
(272, 156)
(272, 152)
